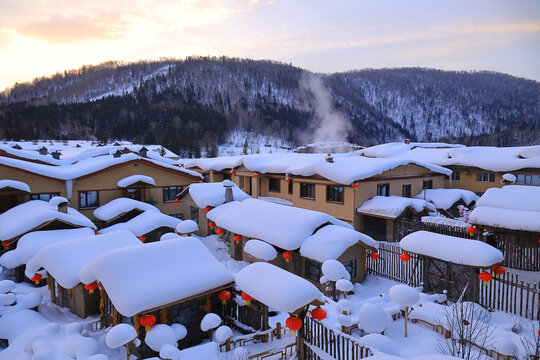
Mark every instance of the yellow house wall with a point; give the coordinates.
(37, 183)
(468, 178)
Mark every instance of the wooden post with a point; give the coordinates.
(278, 330)
(228, 344)
(127, 350)
(164, 316)
(406, 317)
(137, 324)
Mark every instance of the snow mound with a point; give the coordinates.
(344, 285)
(380, 343)
(404, 295)
(393, 206)
(260, 250)
(170, 352)
(213, 194)
(187, 227)
(144, 223)
(120, 335)
(117, 207)
(57, 200)
(161, 335)
(169, 236)
(372, 318)
(223, 333)
(334, 270)
(130, 180)
(14, 184)
(210, 321)
(445, 198)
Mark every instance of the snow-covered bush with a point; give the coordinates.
(169, 352)
(162, 334)
(405, 296)
(372, 318)
(223, 333)
(334, 271)
(120, 335)
(210, 321)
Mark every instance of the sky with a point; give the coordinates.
(42, 37)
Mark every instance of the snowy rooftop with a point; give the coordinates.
(452, 249)
(216, 164)
(133, 179)
(445, 198)
(515, 207)
(283, 226)
(14, 184)
(145, 223)
(31, 243)
(393, 206)
(144, 277)
(36, 213)
(275, 287)
(64, 260)
(117, 207)
(213, 194)
(331, 241)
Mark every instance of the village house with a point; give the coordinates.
(448, 201)
(62, 262)
(13, 193)
(119, 211)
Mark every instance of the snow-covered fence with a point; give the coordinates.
(507, 293)
(404, 227)
(320, 340)
(390, 266)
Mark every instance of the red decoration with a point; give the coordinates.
(199, 181)
(498, 270)
(247, 298)
(237, 238)
(220, 231)
(355, 185)
(405, 257)
(224, 295)
(287, 255)
(98, 233)
(207, 209)
(211, 224)
(293, 323)
(374, 256)
(288, 179)
(256, 174)
(318, 313)
(36, 278)
(147, 321)
(233, 172)
(180, 234)
(91, 287)
(5, 244)
(485, 277)
(176, 201)
(471, 230)
(142, 238)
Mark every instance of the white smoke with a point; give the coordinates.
(329, 124)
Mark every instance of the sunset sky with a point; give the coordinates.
(41, 37)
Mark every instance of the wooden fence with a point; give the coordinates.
(320, 340)
(390, 266)
(404, 227)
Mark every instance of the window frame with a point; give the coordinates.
(409, 187)
(290, 187)
(168, 188)
(272, 182)
(427, 184)
(333, 190)
(51, 195)
(484, 176)
(311, 191)
(86, 199)
(456, 176)
(383, 186)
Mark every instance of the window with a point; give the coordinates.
(88, 199)
(133, 194)
(528, 179)
(406, 190)
(383, 189)
(350, 266)
(456, 175)
(206, 177)
(334, 193)
(241, 181)
(169, 193)
(307, 191)
(194, 213)
(428, 184)
(274, 185)
(313, 270)
(290, 187)
(44, 196)
(226, 176)
(485, 177)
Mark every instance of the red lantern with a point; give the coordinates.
(485, 277)
(36, 278)
(220, 231)
(318, 313)
(232, 172)
(374, 256)
(91, 287)
(247, 298)
(471, 230)
(237, 238)
(180, 234)
(256, 175)
(199, 181)
(224, 295)
(293, 323)
(355, 185)
(5, 244)
(498, 270)
(288, 179)
(287, 255)
(207, 209)
(142, 238)
(176, 201)
(147, 321)
(98, 233)
(211, 224)
(405, 257)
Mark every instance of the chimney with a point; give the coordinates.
(227, 184)
(43, 151)
(143, 151)
(56, 155)
(329, 158)
(407, 141)
(117, 154)
(63, 207)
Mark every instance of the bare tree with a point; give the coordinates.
(532, 347)
(469, 326)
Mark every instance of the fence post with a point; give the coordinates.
(278, 330)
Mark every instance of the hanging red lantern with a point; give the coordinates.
(247, 298)
(176, 201)
(256, 175)
(374, 256)
(485, 277)
(287, 255)
(405, 257)
(288, 179)
(142, 238)
(220, 231)
(498, 270)
(294, 324)
(318, 313)
(237, 238)
(207, 209)
(355, 185)
(211, 224)
(224, 295)
(471, 230)
(91, 287)
(36, 278)
(5, 244)
(98, 233)
(233, 172)
(147, 321)
(180, 234)
(199, 181)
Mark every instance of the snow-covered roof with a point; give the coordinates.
(441, 220)
(445, 198)
(515, 207)
(35, 213)
(275, 287)
(279, 163)
(259, 249)
(283, 226)
(216, 164)
(29, 244)
(393, 206)
(144, 277)
(14, 184)
(452, 249)
(145, 223)
(117, 207)
(213, 194)
(133, 179)
(64, 260)
(187, 227)
(331, 241)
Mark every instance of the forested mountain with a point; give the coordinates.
(195, 103)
